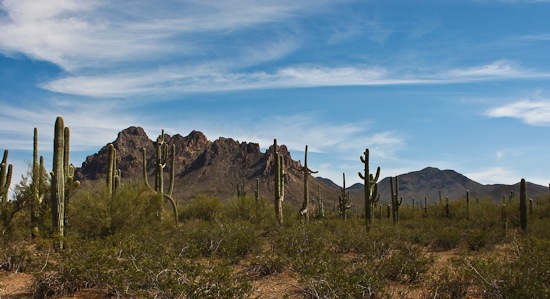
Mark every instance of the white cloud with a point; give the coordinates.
(493, 175)
(220, 76)
(532, 112)
(494, 70)
(92, 124)
(97, 34)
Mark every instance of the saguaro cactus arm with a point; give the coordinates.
(306, 173)
(161, 161)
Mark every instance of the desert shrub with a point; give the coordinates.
(521, 271)
(405, 263)
(141, 265)
(448, 284)
(247, 209)
(528, 275)
(14, 257)
(265, 264)
(231, 240)
(94, 213)
(304, 247)
(477, 239)
(446, 238)
(340, 279)
(202, 207)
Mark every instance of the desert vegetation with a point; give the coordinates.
(119, 239)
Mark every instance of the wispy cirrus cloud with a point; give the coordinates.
(215, 77)
(97, 34)
(531, 112)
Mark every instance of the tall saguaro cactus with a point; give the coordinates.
(279, 177)
(344, 200)
(161, 161)
(38, 186)
(523, 205)
(395, 200)
(5, 181)
(370, 187)
(5, 178)
(113, 174)
(304, 211)
(467, 205)
(58, 182)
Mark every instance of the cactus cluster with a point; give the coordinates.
(62, 179)
(304, 211)
(396, 201)
(113, 174)
(344, 200)
(160, 163)
(279, 170)
(370, 187)
(241, 192)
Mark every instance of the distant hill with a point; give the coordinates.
(429, 181)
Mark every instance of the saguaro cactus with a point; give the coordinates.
(370, 187)
(279, 177)
(161, 161)
(523, 205)
(467, 205)
(5, 178)
(58, 182)
(425, 206)
(241, 191)
(321, 205)
(395, 200)
(38, 186)
(304, 211)
(5, 181)
(344, 200)
(257, 191)
(113, 174)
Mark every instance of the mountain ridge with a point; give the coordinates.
(214, 168)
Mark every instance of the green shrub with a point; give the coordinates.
(202, 207)
(94, 213)
(446, 238)
(339, 279)
(144, 265)
(405, 263)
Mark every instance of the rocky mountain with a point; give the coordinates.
(214, 168)
(203, 166)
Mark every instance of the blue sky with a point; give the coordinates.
(460, 85)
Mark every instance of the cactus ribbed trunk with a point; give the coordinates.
(111, 170)
(370, 187)
(37, 186)
(304, 211)
(161, 160)
(523, 205)
(279, 177)
(467, 205)
(58, 182)
(396, 200)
